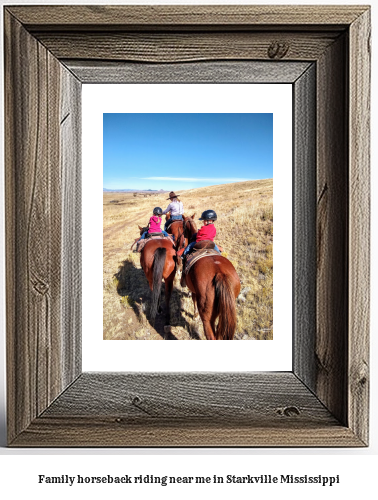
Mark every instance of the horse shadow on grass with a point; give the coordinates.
(132, 285)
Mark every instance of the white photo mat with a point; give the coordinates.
(134, 356)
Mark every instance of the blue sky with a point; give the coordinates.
(186, 150)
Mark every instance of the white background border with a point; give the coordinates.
(100, 355)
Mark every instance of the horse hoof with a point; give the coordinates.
(167, 331)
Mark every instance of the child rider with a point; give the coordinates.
(155, 223)
(207, 231)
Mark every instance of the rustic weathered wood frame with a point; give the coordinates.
(324, 400)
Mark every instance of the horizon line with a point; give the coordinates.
(197, 179)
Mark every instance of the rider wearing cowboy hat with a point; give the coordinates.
(176, 208)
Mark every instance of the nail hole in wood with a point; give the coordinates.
(136, 400)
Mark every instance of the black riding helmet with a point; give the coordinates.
(208, 215)
(158, 211)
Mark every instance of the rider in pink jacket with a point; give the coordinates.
(154, 224)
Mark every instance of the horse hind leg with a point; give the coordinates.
(168, 293)
(208, 329)
(205, 303)
(195, 313)
(208, 323)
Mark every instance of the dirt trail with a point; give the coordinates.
(127, 294)
(119, 226)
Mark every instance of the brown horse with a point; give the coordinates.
(177, 230)
(215, 285)
(158, 261)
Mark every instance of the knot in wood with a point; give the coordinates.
(288, 411)
(140, 404)
(362, 375)
(41, 287)
(277, 50)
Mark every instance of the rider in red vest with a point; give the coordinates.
(207, 231)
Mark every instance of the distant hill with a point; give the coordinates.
(135, 190)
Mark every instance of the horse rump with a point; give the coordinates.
(225, 307)
(158, 267)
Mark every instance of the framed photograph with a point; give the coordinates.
(214, 147)
(199, 161)
(323, 53)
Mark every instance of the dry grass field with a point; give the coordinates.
(244, 230)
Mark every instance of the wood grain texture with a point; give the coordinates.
(192, 396)
(173, 16)
(359, 226)
(33, 228)
(332, 230)
(304, 227)
(324, 401)
(203, 72)
(186, 410)
(180, 47)
(71, 192)
(99, 432)
(28, 232)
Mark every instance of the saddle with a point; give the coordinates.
(203, 244)
(170, 222)
(193, 257)
(154, 235)
(151, 236)
(203, 248)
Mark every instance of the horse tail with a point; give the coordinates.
(159, 261)
(225, 307)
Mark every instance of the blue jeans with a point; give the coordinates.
(146, 232)
(173, 217)
(191, 245)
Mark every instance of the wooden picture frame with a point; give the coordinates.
(49, 52)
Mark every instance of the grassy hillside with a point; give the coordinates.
(244, 230)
